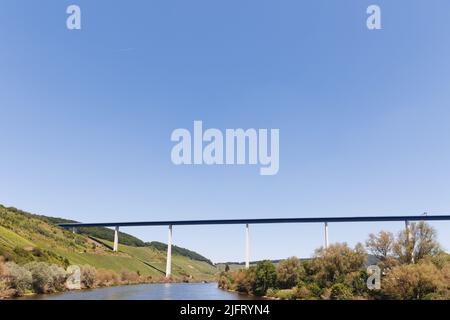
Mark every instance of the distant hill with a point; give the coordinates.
(27, 237)
(98, 232)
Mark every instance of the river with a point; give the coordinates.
(164, 291)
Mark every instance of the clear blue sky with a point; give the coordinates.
(364, 116)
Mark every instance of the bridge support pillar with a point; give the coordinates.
(247, 247)
(326, 235)
(408, 229)
(116, 239)
(169, 254)
(408, 239)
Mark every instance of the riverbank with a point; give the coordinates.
(31, 295)
(43, 278)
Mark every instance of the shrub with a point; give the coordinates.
(129, 277)
(106, 277)
(59, 277)
(310, 291)
(285, 294)
(357, 280)
(19, 277)
(272, 292)
(340, 291)
(88, 275)
(302, 292)
(225, 281)
(46, 278)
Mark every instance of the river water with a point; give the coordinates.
(164, 291)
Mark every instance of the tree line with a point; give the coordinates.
(412, 263)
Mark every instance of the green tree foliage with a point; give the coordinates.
(265, 277)
(289, 272)
(245, 280)
(339, 272)
(340, 291)
(332, 264)
(416, 281)
(98, 232)
(95, 232)
(416, 244)
(380, 245)
(308, 291)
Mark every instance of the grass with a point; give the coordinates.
(10, 239)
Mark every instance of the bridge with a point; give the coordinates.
(247, 222)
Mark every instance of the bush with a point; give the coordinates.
(310, 291)
(46, 278)
(129, 277)
(302, 292)
(88, 275)
(272, 292)
(285, 294)
(358, 282)
(340, 291)
(225, 281)
(315, 290)
(19, 277)
(106, 277)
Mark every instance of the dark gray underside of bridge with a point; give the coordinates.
(261, 221)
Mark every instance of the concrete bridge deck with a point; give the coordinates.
(247, 222)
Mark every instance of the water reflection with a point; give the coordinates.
(164, 291)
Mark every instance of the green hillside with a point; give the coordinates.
(25, 237)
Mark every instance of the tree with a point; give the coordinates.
(336, 261)
(416, 243)
(244, 280)
(266, 277)
(415, 281)
(289, 272)
(380, 245)
(227, 268)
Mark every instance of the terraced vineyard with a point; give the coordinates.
(26, 237)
